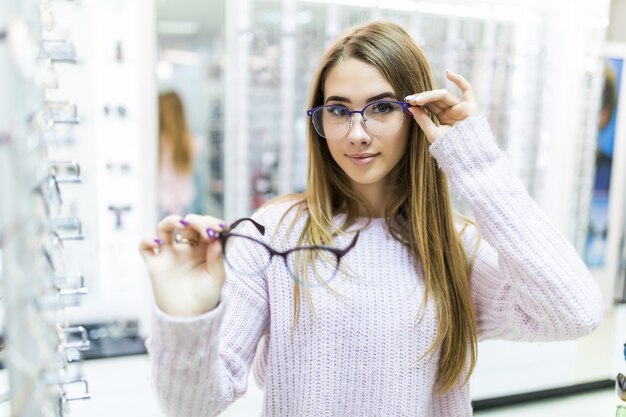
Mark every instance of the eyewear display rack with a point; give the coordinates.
(41, 349)
(620, 388)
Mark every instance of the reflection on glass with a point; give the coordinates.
(190, 52)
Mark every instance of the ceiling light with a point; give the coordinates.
(177, 28)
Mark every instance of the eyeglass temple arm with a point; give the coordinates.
(351, 245)
(259, 227)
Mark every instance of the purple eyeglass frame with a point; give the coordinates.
(404, 104)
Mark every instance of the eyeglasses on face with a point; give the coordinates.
(334, 121)
(248, 256)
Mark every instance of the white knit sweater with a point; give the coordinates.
(358, 358)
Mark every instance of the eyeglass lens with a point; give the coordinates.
(321, 271)
(379, 118)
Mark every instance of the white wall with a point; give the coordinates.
(617, 25)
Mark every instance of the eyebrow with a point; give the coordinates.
(386, 94)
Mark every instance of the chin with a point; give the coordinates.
(365, 179)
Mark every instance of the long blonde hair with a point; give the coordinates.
(419, 214)
(173, 131)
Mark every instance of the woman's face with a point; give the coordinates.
(366, 158)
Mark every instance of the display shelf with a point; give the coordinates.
(42, 349)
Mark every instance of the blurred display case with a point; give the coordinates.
(513, 55)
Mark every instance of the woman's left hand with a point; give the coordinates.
(447, 107)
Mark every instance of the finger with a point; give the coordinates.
(203, 225)
(149, 246)
(214, 254)
(466, 88)
(167, 226)
(215, 262)
(424, 121)
(434, 109)
(443, 98)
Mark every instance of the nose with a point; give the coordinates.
(356, 132)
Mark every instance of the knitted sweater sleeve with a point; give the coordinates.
(200, 365)
(528, 283)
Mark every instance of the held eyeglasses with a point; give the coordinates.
(334, 121)
(248, 256)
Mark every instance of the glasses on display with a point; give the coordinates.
(52, 250)
(71, 384)
(58, 50)
(69, 228)
(61, 112)
(259, 256)
(65, 171)
(48, 190)
(383, 117)
(69, 284)
(74, 337)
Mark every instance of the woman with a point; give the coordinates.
(383, 316)
(177, 190)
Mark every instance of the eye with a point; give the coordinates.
(337, 111)
(383, 107)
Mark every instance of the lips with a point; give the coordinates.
(362, 158)
(361, 155)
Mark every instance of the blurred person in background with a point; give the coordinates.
(606, 130)
(179, 159)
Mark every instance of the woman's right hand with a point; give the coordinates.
(187, 279)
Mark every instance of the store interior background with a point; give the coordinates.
(243, 69)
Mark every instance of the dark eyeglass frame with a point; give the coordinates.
(405, 107)
(224, 235)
